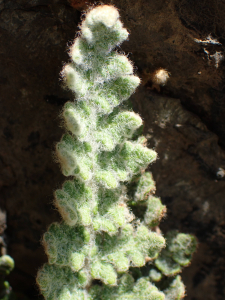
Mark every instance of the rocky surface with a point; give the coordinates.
(184, 122)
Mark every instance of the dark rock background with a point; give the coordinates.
(184, 122)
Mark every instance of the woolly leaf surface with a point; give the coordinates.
(77, 120)
(60, 283)
(122, 127)
(132, 245)
(122, 163)
(155, 275)
(65, 245)
(178, 253)
(127, 289)
(103, 271)
(145, 186)
(74, 157)
(103, 29)
(176, 290)
(73, 202)
(155, 211)
(181, 246)
(166, 264)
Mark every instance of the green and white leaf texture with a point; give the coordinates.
(99, 239)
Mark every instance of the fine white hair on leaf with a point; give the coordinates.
(106, 14)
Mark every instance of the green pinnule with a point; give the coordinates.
(99, 237)
(6, 266)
